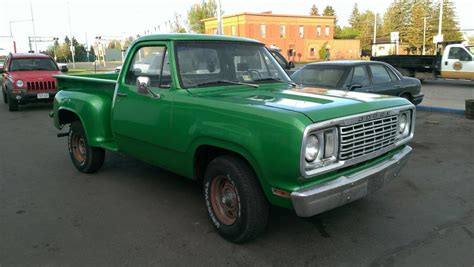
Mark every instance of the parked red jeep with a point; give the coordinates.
(28, 78)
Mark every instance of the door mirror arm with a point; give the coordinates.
(143, 87)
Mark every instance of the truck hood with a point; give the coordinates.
(33, 75)
(317, 104)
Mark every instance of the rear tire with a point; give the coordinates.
(235, 202)
(86, 159)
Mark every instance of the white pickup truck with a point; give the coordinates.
(456, 62)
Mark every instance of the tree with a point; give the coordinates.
(198, 12)
(314, 11)
(450, 26)
(329, 11)
(175, 24)
(397, 18)
(345, 33)
(414, 30)
(355, 17)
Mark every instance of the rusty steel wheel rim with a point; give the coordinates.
(225, 200)
(78, 147)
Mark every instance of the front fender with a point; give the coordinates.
(93, 110)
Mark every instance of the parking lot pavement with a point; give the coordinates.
(447, 93)
(131, 213)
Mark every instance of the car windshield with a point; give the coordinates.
(207, 63)
(324, 75)
(25, 64)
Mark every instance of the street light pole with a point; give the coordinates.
(34, 31)
(72, 48)
(11, 32)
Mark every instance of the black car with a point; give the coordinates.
(359, 76)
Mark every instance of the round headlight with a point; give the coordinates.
(312, 148)
(403, 124)
(19, 83)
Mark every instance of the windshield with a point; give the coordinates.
(19, 64)
(325, 76)
(212, 63)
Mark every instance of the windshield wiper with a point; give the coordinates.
(277, 80)
(226, 81)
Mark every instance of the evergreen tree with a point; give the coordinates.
(420, 10)
(314, 11)
(450, 26)
(329, 11)
(355, 17)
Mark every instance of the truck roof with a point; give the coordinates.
(194, 37)
(29, 55)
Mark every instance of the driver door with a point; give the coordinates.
(458, 65)
(141, 120)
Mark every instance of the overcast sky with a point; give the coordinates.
(116, 18)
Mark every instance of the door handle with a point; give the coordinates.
(121, 94)
(446, 63)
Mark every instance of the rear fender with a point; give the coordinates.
(92, 110)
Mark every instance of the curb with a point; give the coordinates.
(441, 109)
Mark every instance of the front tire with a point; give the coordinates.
(86, 159)
(12, 105)
(235, 202)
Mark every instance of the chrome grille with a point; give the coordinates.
(363, 138)
(41, 85)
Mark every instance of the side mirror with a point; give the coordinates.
(143, 86)
(354, 86)
(290, 65)
(64, 68)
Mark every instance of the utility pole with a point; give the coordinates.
(34, 31)
(424, 35)
(219, 18)
(70, 32)
(441, 3)
(374, 50)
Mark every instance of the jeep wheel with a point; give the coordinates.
(12, 105)
(86, 158)
(234, 199)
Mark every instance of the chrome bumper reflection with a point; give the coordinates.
(345, 189)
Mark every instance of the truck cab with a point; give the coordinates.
(457, 62)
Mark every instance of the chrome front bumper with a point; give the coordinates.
(345, 189)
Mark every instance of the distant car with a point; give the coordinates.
(360, 76)
(28, 78)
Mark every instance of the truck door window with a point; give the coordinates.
(459, 54)
(151, 62)
(360, 76)
(379, 74)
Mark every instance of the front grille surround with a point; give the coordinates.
(356, 143)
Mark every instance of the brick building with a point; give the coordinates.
(302, 36)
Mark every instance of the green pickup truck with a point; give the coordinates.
(222, 111)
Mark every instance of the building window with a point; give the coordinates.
(301, 31)
(233, 30)
(318, 31)
(326, 30)
(282, 31)
(312, 51)
(262, 30)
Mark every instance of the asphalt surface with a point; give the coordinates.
(451, 94)
(134, 214)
